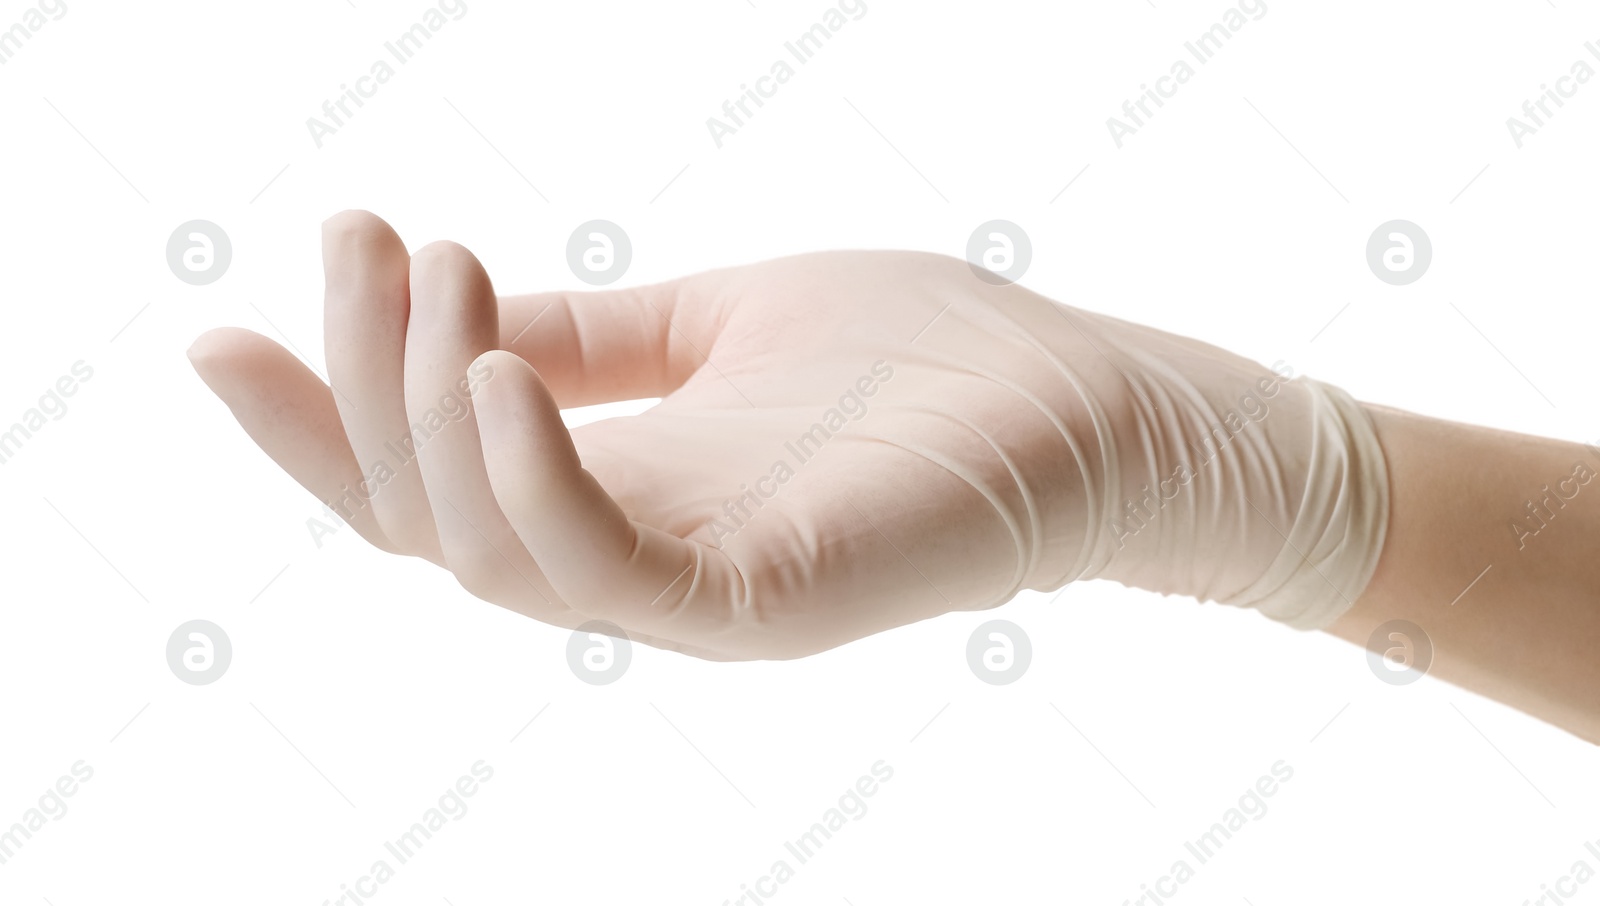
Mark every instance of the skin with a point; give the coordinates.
(1526, 633)
(971, 479)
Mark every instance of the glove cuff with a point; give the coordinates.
(1332, 549)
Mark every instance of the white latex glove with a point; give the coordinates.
(846, 442)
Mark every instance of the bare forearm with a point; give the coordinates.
(1508, 594)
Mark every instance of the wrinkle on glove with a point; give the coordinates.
(1193, 470)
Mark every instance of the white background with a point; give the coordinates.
(363, 685)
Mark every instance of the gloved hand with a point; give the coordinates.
(846, 442)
